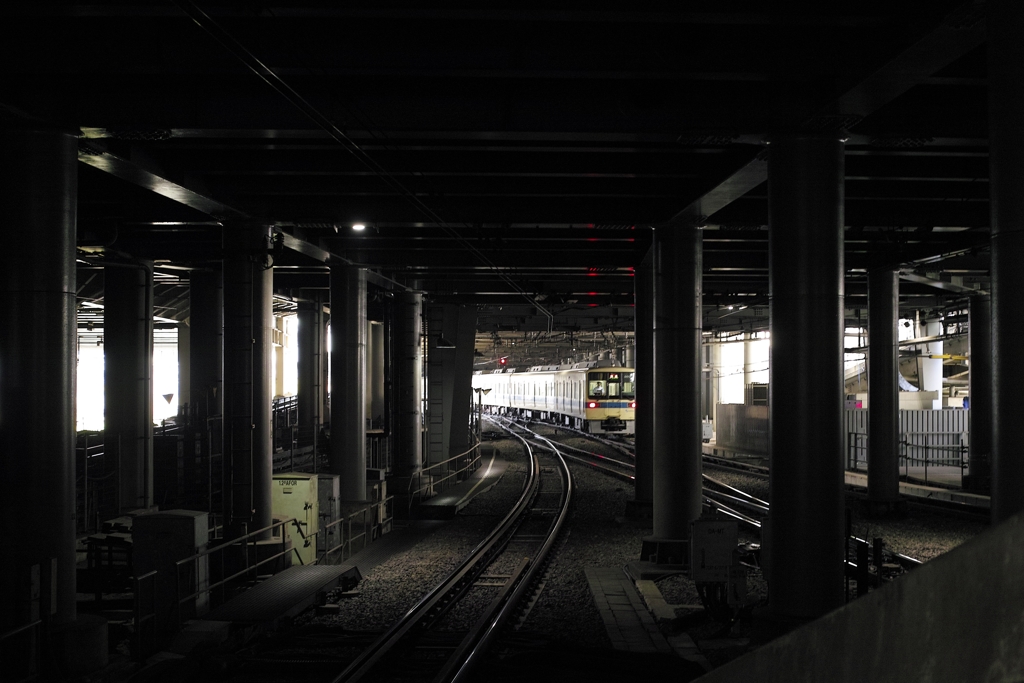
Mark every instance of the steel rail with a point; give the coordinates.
(507, 609)
(418, 612)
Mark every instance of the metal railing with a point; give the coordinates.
(922, 450)
(354, 532)
(345, 532)
(33, 663)
(242, 544)
(935, 449)
(856, 451)
(419, 491)
(144, 616)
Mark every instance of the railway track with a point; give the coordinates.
(507, 565)
(868, 562)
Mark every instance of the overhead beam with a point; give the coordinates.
(947, 43)
(94, 154)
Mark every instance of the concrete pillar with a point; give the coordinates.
(184, 359)
(311, 337)
(979, 414)
(450, 377)
(248, 334)
(206, 353)
(748, 359)
(643, 504)
(38, 199)
(206, 379)
(1005, 24)
(462, 385)
(128, 380)
(389, 364)
(805, 261)
(716, 378)
(348, 380)
(407, 378)
(931, 368)
(883, 404)
(375, 360)
(676, 372)
(279, 355)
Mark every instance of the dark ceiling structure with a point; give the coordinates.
(515, 158)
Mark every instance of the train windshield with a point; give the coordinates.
(611, 385)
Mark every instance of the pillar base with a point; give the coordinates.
(639, 510)
(80, 647)
(666, 552)
(979, 484)
(883, 509)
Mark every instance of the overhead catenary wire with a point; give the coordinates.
(268, 76)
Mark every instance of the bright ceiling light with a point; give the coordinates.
(359, 226)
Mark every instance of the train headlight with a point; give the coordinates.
(592, 404)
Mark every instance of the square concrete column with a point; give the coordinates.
(1005, 25)
(348, 380)
(883, 403)
(248, 381)
(643, 504)
(38, 201)
(676, 374)
(805, 262)
(128, 380)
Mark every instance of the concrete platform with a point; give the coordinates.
(284, 595)
(630, 624)
(947, 479)
(913, 490)
(447, 504)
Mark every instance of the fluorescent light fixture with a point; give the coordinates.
(359, 226)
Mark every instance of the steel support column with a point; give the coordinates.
(883, 405)
(407, 379)
(248, 325)
(1005, 25)
(184, 358)
(348, 380)
(676, 374)
(278, 359)
(206, 327)
(979, 413)
(311, 337)
(644, 366)
(462, 386)
(375, 363)
(805, 264)
(128, 380)
(38, 200)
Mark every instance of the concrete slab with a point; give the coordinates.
(956, 618)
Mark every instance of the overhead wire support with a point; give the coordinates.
(267, 75)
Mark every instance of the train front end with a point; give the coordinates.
(611, 401)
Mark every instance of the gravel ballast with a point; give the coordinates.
(565, 615)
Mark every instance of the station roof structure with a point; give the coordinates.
(514, 157)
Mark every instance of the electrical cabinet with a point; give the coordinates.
(330, 511)
(297, 495)
(712, 546)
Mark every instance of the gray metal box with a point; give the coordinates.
(712, 545)
(159, 540)
(330, 510)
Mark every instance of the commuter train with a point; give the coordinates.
(592, 397)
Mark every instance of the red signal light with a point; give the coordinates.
(592, 404)
(503, 361)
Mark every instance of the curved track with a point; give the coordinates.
(409, 651)
(750, 510)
